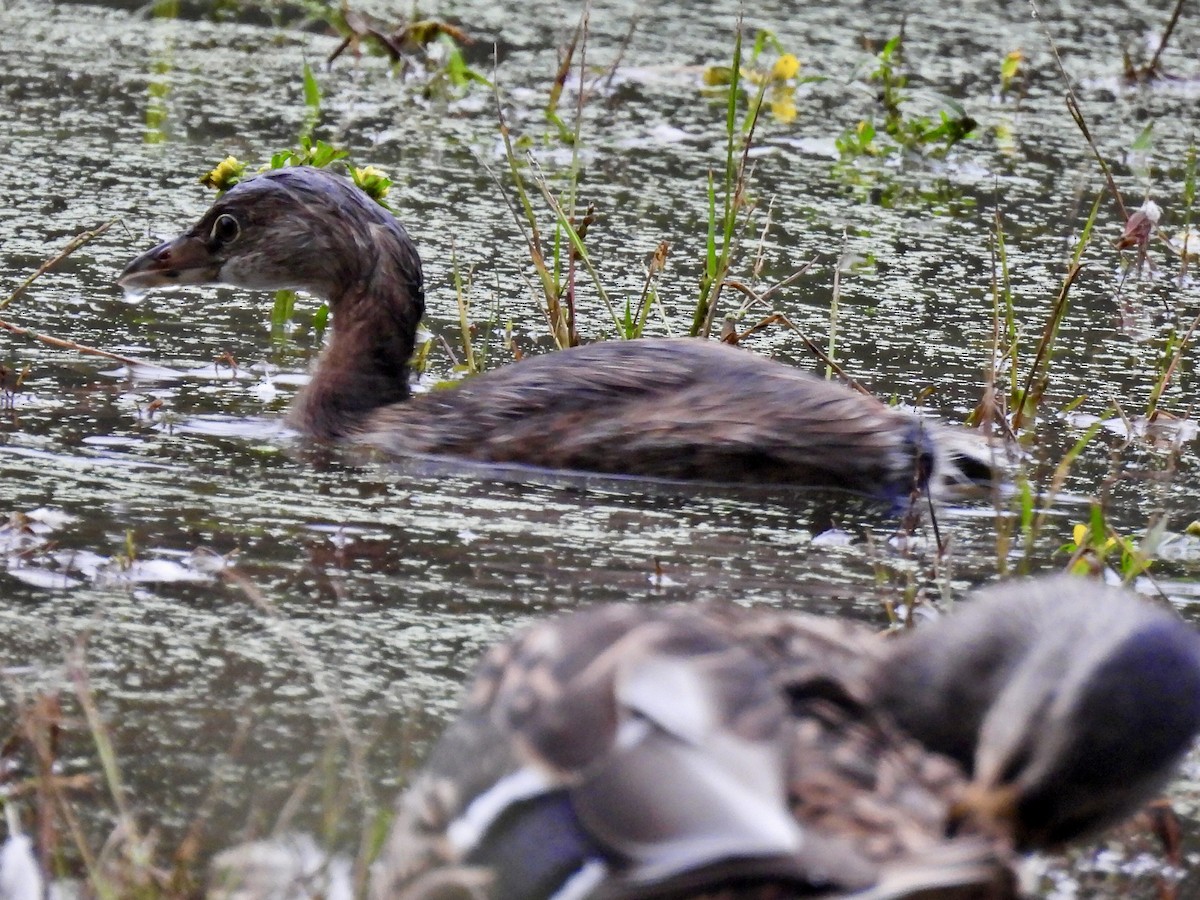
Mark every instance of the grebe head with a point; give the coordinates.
(299, 228)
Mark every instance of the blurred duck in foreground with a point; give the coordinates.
(678, 409)
(719, 751)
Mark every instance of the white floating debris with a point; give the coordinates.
(1187, 243)
(37, 577)
(52, 518)
(833, 537)
(264, 391)
(20, 878)
(291, 867)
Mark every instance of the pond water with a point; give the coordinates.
(357, 596)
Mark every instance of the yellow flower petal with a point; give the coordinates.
(372, 180)
(783, 108)
(1010, 65)
(785, 67)
(714, 76)
(227, 173)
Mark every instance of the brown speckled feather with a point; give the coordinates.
(869, 805)
(750, 754)
(664, 408)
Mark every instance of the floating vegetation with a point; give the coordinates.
(901, 131)
(224, 175)
(30, 544)
(309, 151)
(1096, 547)
(429, 46)
(875, 153)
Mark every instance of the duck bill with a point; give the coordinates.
(184, 260)
(993, 809)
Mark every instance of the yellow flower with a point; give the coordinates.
(785, 67)
(372, 180)
(783, 106)
(227, 173)
(715, 76)
(1010, 66)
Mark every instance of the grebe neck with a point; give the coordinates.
(376, 305)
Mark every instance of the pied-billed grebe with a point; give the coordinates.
(673, 408)
(633, 751)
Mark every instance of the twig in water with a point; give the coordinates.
(72, 245)
(833, 303)
(1077, 114)
(69, 345)
(1151, 71)
(625, 42)
(763, 295)
(780, 319)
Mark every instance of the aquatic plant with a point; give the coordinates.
(555, 259)
(1187, 241)
(559, 254)
(1012, 72)
(902, 131)
(732, 208)
(1096, 546)
(772, 68)
(719, 255)
(1025, 400)
(1151, 71)
(309, 151)
(430, 46)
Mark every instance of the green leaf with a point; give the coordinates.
(281, 312)
(1009, 68)
(1144, 140)
(763, 40)
(321, 318)
(1189, 180)
(312, 90)
(1098, 527)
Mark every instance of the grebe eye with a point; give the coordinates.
(225, 229)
